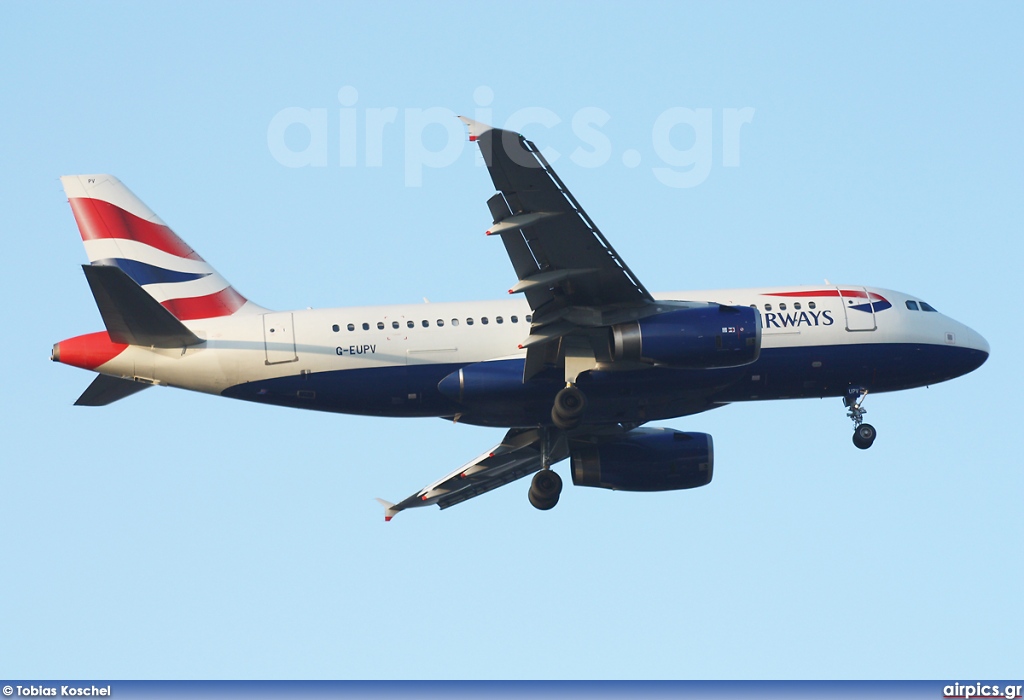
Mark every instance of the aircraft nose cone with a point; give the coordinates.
(975, 341)
(983, 346)
(979, 349)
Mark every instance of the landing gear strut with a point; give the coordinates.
(863, 433)
(570, 403)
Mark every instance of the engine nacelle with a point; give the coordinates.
(702, 337)
(646, 459)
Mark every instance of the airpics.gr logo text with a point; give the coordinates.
(682, 138)
(982, 690)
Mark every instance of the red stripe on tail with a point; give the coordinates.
(99, 219)
(223, 303)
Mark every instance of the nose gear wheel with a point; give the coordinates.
(864, 434)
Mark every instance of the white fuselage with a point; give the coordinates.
(253, 347)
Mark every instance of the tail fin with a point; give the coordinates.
(119, 230)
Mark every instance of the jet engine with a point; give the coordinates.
(702, 337)
(645, 459)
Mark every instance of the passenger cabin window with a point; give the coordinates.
(499, 319)
(440, 322)
(410, 324)
(925, 306)
(767, 307)
(469, 322)
(797, 306)
(335, 328)
(514, 319)
(394, 324)
(366, 326)
(380, 325)
(455, 321)
(484, 320)
(426, 323)
(782, 307)
(912, 305)
(351, 326)
(811, 305)
(529, 318)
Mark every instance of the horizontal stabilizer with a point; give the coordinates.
(131, 315)
(105, 390)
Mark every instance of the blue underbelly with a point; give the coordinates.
(630, 396)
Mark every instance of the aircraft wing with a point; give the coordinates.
(572, 277)
(558, 253)
(516, 456)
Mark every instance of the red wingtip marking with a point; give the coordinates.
(387, 518)
(472, 137)
(423, 497)
(520, 347)
(511, 292)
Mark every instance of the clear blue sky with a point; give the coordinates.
(177, 535)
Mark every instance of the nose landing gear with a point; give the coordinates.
(863, 433)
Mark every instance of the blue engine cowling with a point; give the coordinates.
(703, 337)
(646, 459)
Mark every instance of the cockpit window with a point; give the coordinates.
(912, 305)
(927, 307)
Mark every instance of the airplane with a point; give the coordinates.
(574, 365)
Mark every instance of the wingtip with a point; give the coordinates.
(476, 129)
(389, 509)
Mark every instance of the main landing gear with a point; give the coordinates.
(570, 403)
(547, 485)
(566, 414)
(545, 489)
(863, 433)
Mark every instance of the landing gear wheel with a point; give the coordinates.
(570, 403)
(864, 436)
(545, 489)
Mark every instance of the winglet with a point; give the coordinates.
(476, 129)
(389, 509)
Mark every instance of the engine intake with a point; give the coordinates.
(703, 337)
(646, 459)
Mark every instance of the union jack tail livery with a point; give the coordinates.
(118, 230)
